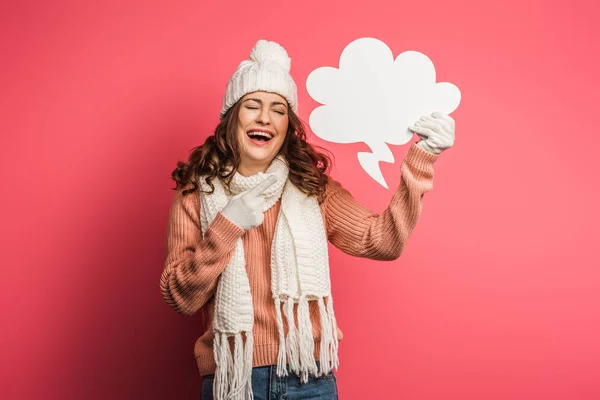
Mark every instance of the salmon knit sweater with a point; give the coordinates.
(194, 263)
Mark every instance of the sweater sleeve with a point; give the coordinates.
(194, 263)
(359, 232)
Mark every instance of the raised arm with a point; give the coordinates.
(193, 262)
(357, 231)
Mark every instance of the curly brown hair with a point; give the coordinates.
(308, 167)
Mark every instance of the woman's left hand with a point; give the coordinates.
(436, 132)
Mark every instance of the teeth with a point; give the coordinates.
(257, 133)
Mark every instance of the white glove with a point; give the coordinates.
(246, 209)
(436, 132)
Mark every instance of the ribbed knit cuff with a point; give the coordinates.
(420, 158)
(226, 230)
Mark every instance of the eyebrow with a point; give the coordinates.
(274, 103)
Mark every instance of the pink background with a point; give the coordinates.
(497, 293)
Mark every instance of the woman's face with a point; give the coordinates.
(262, 125)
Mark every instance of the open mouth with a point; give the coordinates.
(260, 137)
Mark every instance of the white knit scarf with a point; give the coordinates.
(299, 274)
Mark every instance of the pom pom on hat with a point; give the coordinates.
(268, 70)
(264, 50)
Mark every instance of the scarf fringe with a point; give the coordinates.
(326, 347)
(299, 346)
(307, 343)
(291, 343)
(335, 362)
(233, 375)
(281, 357)
(248, 367)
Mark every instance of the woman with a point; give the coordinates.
(247, 237)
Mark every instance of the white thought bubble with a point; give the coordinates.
(373, 98)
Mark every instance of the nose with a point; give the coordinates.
(263, 117)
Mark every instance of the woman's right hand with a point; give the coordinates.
(246, 209)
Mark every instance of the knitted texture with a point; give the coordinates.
(300, 273)
(195, 260)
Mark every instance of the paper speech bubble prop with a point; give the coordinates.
(373, 98)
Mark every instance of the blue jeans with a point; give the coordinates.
(266, 385)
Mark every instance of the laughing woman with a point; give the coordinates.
(253, 210)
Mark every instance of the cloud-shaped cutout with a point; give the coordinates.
(373, 98)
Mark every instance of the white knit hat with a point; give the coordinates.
(268, 69)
